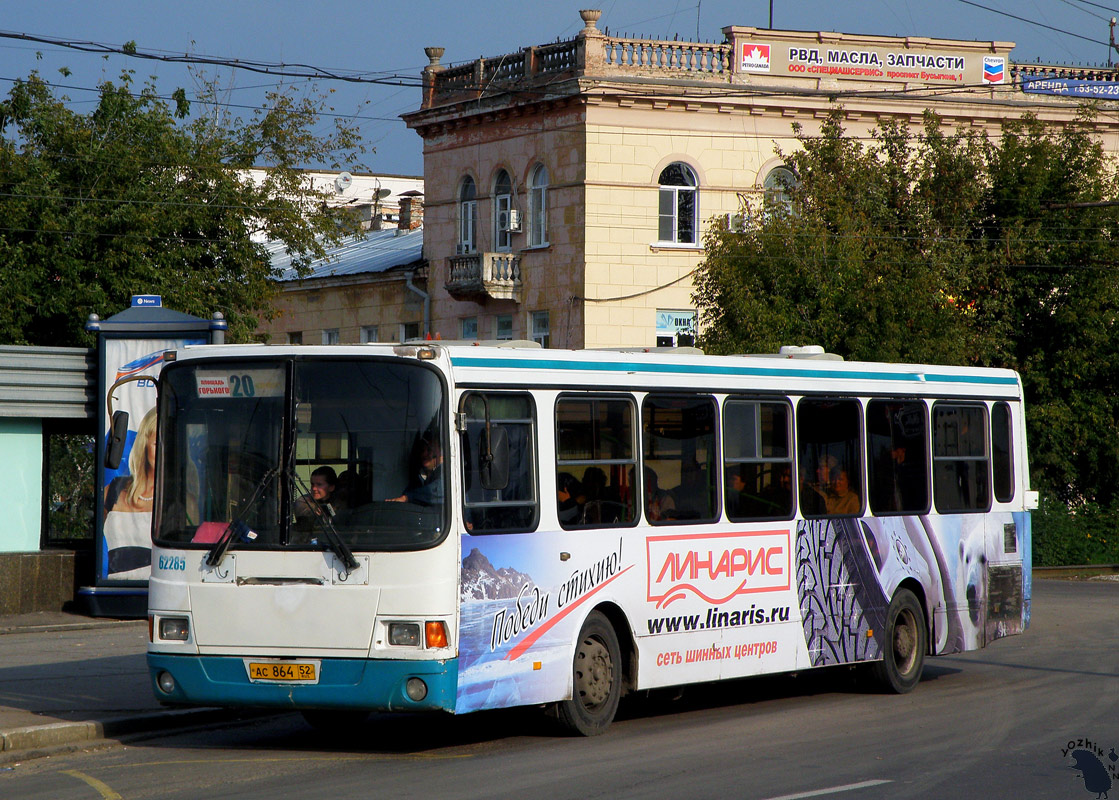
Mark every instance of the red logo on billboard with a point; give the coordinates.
(717, 567)
(755, 58)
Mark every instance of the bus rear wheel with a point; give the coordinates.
(903, 658)
(597, 679)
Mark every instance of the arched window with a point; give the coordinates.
(679, 204)
(502, 204)
(538, 207)
(777, 184)
(467, 216)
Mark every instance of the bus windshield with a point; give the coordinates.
(301, 453)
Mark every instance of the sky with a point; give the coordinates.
(385, 40)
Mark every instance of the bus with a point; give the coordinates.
(444, 526)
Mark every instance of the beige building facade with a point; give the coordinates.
(569, 186)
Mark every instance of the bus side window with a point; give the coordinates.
(757, 460)
(679, 470)
(595, 459)
(1002, 453)
(514, 507)
(960, 468)
(897, 457)
(829, 448)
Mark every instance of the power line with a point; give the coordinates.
(1032, 22)
(280, 69)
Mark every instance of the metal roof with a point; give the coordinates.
(56, 382)
(378, 251)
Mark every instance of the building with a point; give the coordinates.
(365, 289)
(47, 403)
(570, 184)
(371, 289)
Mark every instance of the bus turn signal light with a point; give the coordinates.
(436, 634)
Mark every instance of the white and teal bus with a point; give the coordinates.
(446, 527)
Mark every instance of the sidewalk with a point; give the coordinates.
(67, 681)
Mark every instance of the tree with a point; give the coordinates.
(137, 196)
(946, 248)
(857, 261)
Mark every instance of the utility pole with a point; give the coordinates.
(1112, 48)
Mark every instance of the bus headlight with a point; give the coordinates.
(174, 629)
(404, 634)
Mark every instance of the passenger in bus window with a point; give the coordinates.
(569, 499)
(316, 503)
(778, 495)
(738, 498)
(841, 500)
(658, 503)
(814, 489)
(426, 487)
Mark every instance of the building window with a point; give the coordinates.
(538, 207)
(777, 186)
(503, 327)
(502, 205)
(368, 334)
(69, 469)
(331, 336)
(295, 338)
(539, 328)
(467, 216)
(679, 204)
(469, 328)
(676, 328)
(409, 330)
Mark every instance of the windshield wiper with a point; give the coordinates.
(323, 516)
(237, 526)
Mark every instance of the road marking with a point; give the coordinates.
(106, 792)
(850, 787)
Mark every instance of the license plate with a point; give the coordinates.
(284, 671)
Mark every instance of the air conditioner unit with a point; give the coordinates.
(509, 221)
(735, 222)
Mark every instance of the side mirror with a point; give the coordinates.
(494, 466)
(118, 434)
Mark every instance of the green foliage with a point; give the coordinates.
(1063, 536)
(134, 197)
(946, 248)
(70, 486)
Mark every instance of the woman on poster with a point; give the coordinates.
(128, 508)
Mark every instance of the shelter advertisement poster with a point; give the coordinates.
(127, 492)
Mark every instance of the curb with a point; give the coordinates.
(32, 741)
(68, 626)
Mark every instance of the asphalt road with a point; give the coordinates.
(995, 723)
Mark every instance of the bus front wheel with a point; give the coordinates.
(597, 679)
(903, 658)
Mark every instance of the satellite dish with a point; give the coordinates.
(343, 182)
(383, 193)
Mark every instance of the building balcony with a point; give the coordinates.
(590, 53)
(484, 275)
